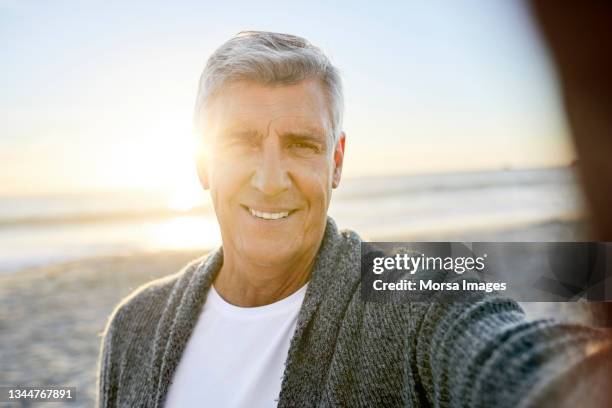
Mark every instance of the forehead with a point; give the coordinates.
(246, 104)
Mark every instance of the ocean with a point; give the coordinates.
(39, 230)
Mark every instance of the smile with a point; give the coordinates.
(268, 215)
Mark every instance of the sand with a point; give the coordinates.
(51, 317)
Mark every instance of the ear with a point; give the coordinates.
(201, 167)
(338, 160)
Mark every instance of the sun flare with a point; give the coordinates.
(186, 199)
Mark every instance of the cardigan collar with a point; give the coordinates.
(185, 303)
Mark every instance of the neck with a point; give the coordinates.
(247, 284)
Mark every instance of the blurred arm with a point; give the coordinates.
(487, 354)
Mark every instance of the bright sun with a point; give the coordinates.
(156, 156)
(186, 199)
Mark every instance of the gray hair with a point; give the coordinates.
(269, 58)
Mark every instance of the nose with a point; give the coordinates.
(271, 177)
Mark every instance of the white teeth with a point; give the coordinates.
(268, 216)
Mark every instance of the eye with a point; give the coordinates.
(241, 144)
(304, 147)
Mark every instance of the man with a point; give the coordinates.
(275, 317)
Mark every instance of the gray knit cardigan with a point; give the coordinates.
(346, 352)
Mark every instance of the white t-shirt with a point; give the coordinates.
(235, 356)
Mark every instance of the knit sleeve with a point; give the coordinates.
(107, 378)
(486, 354)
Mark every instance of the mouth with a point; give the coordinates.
(268, 215)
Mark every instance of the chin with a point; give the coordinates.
(269, 253)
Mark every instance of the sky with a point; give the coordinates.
(98, 95)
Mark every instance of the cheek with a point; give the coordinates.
(315, 183)
(226, 179)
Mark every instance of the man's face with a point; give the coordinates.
(270, 166)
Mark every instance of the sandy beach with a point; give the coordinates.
(51, 317)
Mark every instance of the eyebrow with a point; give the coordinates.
(304, 132)
(240, 134)
(300, 134)
(302, 137)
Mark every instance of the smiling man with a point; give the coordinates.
(270, 159)
(275, 316)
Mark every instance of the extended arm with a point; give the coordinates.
(485, 353)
